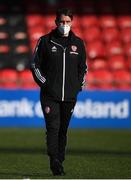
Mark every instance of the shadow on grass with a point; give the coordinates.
(35, 150)
(24, 175)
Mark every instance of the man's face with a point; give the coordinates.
(64, 20)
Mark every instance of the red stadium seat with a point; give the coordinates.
(26, 80)
(4, 49)
(127, 49)
(91, 34)
(126, 35)
(9, 79)
(3, 21)
(21, 49)
(33, 45)
(99, 64)
(4, 35)
(110, 34)
(49, 21)
(76, 22)
(108, 21)
(96, 49)
(1, 81)
(89, 20)
(100, 79)
(117, 62)
(78, 31)
(36, 33)
(114, 48)
(37, 29)
(122, 80)
(20, 35)
(124, 22)
(34, 20)
(90, 81)
(128, 63)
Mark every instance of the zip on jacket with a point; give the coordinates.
(63, 80)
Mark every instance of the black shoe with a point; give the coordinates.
(56, 167)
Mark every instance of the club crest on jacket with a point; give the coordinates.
(74, 48)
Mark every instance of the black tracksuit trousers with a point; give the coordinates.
(57, 117)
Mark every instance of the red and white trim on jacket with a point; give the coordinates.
(36, 70)
(39, 76)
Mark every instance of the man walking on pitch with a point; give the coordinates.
(59, 67)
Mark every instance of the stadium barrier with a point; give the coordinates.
(94, 109)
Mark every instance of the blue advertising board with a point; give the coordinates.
(94, 109)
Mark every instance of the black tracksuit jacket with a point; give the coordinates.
(58, 70)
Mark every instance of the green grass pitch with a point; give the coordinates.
(90, 154)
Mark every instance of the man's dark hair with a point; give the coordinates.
(64, 11)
